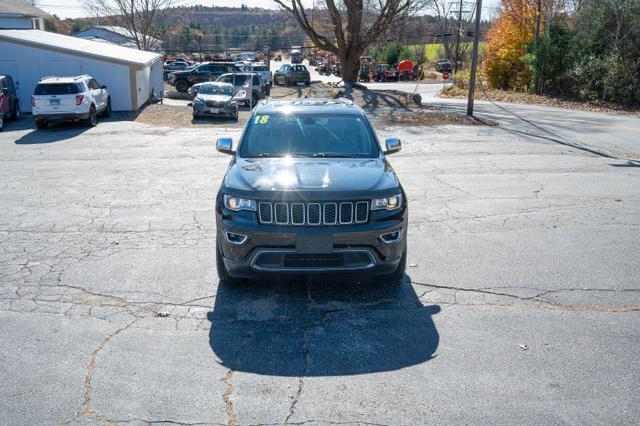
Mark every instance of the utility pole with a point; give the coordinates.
(474, 59)
(455, 66)
(537, 82)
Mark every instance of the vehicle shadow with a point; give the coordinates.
(321, 327)
(55, 133)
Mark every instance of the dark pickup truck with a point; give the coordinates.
(309, 190)
(210, 71)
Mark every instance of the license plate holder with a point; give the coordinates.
(214, 110)
(314, 243)
(54, 101)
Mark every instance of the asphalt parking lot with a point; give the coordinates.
(521, 303)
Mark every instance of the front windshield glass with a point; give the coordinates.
(216, 89)
(308, 135)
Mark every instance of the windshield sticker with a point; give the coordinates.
(261, 119)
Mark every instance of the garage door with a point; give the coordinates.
(64, 68)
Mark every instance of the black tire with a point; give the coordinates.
(255, 99)
(235, 115)
(307, 83)
(287, 82)
(107, 110)
(42, 125)
(397, 275)
(223, 275)
(92, 121)
(196, 116)
(1, 121)
(15, 114)
(182, 86)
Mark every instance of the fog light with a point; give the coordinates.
(391, 237)
(234, 238)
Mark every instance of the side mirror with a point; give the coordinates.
(190, 104)
(103, 87)
(393, 145)
(4, 90)
(224, 145)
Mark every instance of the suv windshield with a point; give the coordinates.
(58, 89)
(216, 89)
(308, 135)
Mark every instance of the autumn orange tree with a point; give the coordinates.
(507, 42)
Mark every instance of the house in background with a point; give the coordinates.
(115, 35)
(20, 15)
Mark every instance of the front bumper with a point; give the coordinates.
(357, 248)
(205, 110)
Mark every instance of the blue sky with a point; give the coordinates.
(74, 9)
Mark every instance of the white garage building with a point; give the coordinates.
(130, 75)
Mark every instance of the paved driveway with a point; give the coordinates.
(521, 303)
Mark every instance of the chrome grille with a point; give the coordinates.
(327, 213)
(314, 214)
(282, 213)
(346, 213)
(330, 213)
(265, 210)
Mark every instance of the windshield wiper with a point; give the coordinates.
(335, 154)
(266, 155)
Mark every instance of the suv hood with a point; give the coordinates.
(311, 174)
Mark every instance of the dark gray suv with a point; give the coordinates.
(309, 190)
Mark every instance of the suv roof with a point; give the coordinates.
(53, 80)
(320, 105)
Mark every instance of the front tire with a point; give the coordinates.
(397, 275)
(92, 121)
(15, 114)
(107, 110)
(182, 86)
(223, 275)
(1, 121)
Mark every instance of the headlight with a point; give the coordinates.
(387, 203)
(237, 203)
(198, 101)
(233, 103)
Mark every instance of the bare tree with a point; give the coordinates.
(355, 24)
(139, 17)
(443, 11)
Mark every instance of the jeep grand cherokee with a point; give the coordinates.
(309, 190)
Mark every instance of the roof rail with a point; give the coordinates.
(345, 101)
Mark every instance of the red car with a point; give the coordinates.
(9, 104)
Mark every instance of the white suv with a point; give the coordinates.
(57, 99)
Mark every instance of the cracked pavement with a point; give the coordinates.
(521, 302)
